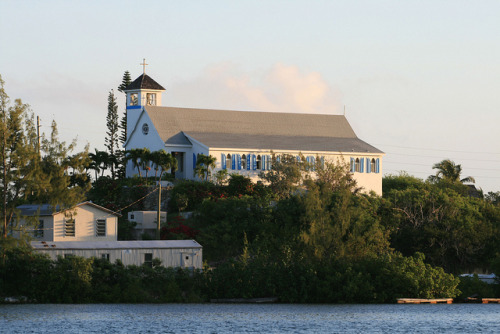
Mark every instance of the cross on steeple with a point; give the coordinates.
(144, 65)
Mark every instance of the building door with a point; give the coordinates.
(179, 173)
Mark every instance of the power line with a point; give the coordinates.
(436, 149)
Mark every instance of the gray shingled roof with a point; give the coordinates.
(138, 244)
(48, 210)
(144, 82)
(251, 130)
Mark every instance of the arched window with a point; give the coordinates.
(373, 165)
(358, 166)
(259, 162)
(243, 162)
(228, 160)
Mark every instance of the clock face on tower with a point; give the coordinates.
(145, 128)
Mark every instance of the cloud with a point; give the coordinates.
(282, 88)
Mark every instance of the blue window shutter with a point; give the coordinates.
(223, 161)
(239, 161)
(322, 162)
(298, 158)
(362, 165)
(270, 159)
(254, 162)
(194, 160)
(263, 167)
(377, 166)
(278, 158)
(233, 162)
(249, 161)
(313, 163)
(353, 165)
(368, 165)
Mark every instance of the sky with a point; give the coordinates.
(419, 80)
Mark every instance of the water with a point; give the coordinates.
(250, 318)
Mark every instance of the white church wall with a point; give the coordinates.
(143, 135)
(368, 181)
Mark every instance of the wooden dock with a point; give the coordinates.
(425, 301)
(491, 300)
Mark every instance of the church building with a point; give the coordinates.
(242, 141)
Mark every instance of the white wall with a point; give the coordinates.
(85, 225)
(170, 257)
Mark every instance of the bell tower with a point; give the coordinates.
(142, 92)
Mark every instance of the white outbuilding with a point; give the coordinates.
(172, 253)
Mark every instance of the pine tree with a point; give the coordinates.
(123, 123)
(121, 158)
(112, 141)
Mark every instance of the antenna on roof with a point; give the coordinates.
(144, 65)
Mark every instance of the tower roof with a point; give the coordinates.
(144, 82)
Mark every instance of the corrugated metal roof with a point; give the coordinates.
(245, 129)
(136, 244)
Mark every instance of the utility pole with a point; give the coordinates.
(158, 216)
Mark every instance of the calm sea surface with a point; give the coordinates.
(250, 318)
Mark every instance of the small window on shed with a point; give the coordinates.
(100, 228)
(69, 228)
(148, 259)
(39, 229)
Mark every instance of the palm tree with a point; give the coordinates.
(100, 161)
(135, 156)
(204, 166)
(449, 171)
(145, 160)
(164, 161)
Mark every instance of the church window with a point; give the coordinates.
(243, 162)
(373, 166)
(133, 99)
(228, 160)
(259, 162)
(151, 99)
(357, 166)
(69, 228)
